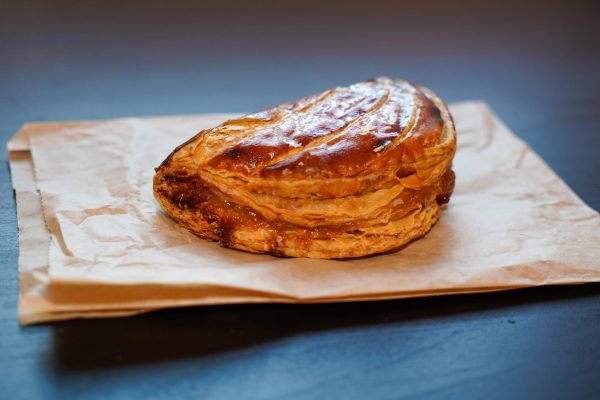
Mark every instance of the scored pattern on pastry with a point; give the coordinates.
(348, 172)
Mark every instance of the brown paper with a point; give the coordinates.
(511, 223)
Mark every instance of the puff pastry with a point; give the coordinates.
(348, 172)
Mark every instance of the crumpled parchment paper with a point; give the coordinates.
(93, 242)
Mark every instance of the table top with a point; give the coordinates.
(535, 63)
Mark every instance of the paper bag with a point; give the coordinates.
(93, 241)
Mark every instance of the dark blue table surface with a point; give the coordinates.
(536, 63)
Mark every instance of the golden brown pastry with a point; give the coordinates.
(348, 172)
